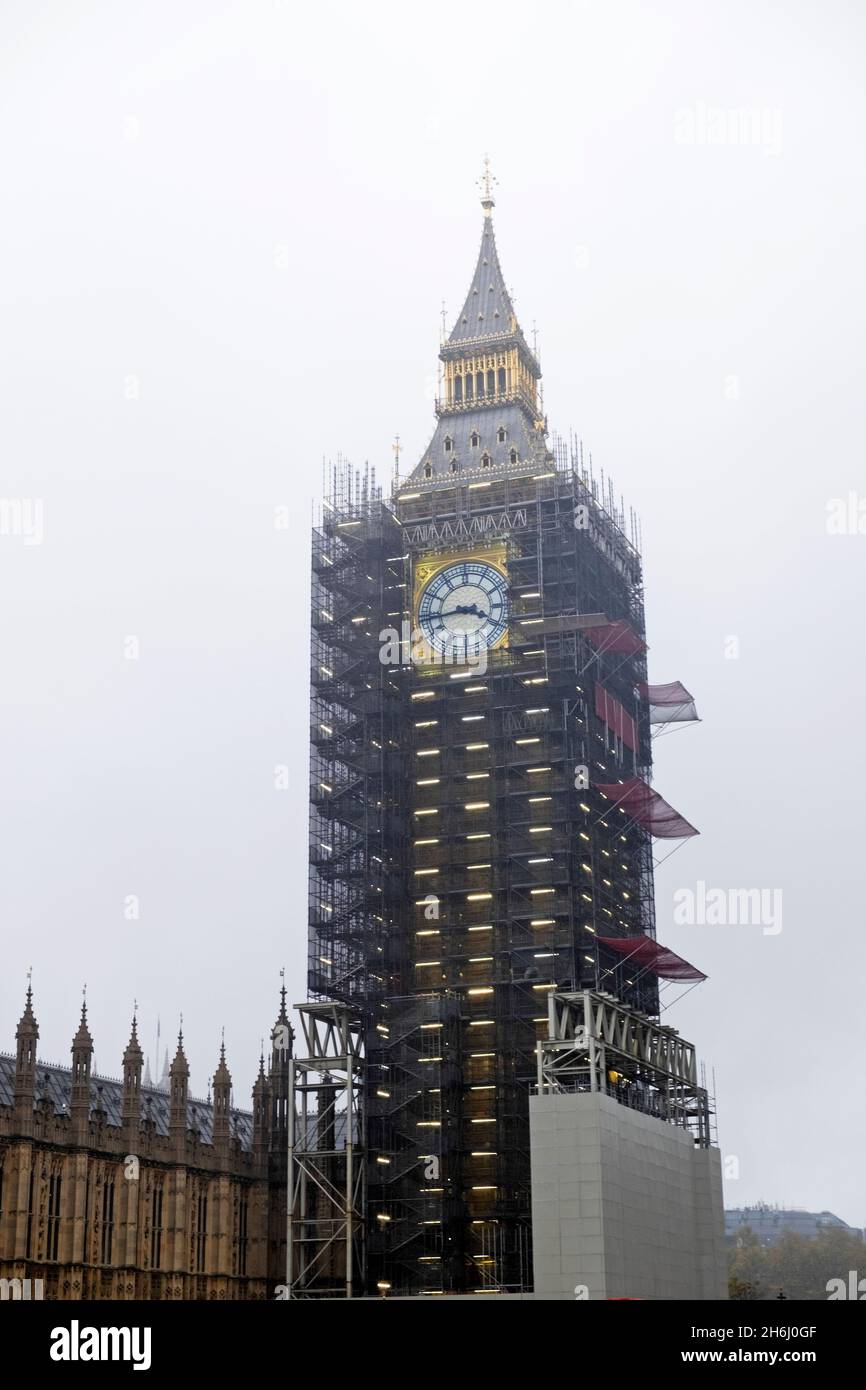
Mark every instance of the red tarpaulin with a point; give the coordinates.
(649, 809)
(608, 708)
(617, 636)
(653, 956)
(669, 704)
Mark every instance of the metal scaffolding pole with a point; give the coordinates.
(327, 1170)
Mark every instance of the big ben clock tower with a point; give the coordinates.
(478, 672)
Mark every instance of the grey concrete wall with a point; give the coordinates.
(622, 1203)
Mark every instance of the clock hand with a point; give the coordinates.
(464, 608)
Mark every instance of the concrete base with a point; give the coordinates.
(623, 1205)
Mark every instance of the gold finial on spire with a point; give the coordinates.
(485, 183)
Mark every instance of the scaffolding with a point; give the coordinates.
(596, 1044)
(327, 1157)
(464, 864)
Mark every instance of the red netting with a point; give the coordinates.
(617, 636)
(653, 956)
(649, 809)
(608, 708)
(669, 704)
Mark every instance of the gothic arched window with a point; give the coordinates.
(454, 466)
(485, 460)
(449, 444)
(479, 384)
(428, 471)
(513, 455)
(501, 434)
(491, 382)
(468, 388)
(502, 378)
(458, 389)
(474, 440)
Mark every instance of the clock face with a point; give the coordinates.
(464, 608)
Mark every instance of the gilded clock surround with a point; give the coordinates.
(429, 566)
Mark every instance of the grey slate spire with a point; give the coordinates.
(490, 424)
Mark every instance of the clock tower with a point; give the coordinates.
(477, 666)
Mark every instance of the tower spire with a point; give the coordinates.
(491, 421)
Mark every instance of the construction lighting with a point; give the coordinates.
(476, 747)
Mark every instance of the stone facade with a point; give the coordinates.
(121, 1189)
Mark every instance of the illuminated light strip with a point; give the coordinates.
(543, 922)
(476, 747)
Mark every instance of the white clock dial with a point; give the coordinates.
(464, 608)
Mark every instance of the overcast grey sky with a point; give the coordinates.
(227, 232)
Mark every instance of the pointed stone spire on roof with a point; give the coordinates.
(222, 1075)
(82, 1038)
(180, 1066)
(133, 1051)
(27, 1025)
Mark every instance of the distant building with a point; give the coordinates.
(770, 1223)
